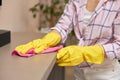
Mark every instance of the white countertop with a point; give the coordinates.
(37, 67)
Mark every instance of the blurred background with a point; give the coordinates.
(15, 15)
(30, 15)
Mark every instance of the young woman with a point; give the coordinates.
(96, 24)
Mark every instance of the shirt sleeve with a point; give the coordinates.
(112, 50)
(64, 24)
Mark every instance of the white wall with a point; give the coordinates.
(15, 15)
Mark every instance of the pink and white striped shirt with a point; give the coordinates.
(103, 28)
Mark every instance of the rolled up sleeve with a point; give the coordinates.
(65, 23)
(112, 50)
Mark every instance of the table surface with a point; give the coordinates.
(37, 67)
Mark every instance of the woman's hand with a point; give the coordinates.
(75, 55)
(38, 45)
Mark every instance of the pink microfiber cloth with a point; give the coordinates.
(32, 53)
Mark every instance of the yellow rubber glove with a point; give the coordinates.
(75, 55)
(49, 40)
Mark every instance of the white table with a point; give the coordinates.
(37, 67)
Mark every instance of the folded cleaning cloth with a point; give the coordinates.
(32, 53)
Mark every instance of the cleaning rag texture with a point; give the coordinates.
(31, 52)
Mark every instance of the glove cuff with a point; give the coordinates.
(93, 54)
(52, 39)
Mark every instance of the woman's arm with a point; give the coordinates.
(64, 24)
(112, 50)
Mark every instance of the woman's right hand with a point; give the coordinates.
(38, 45)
